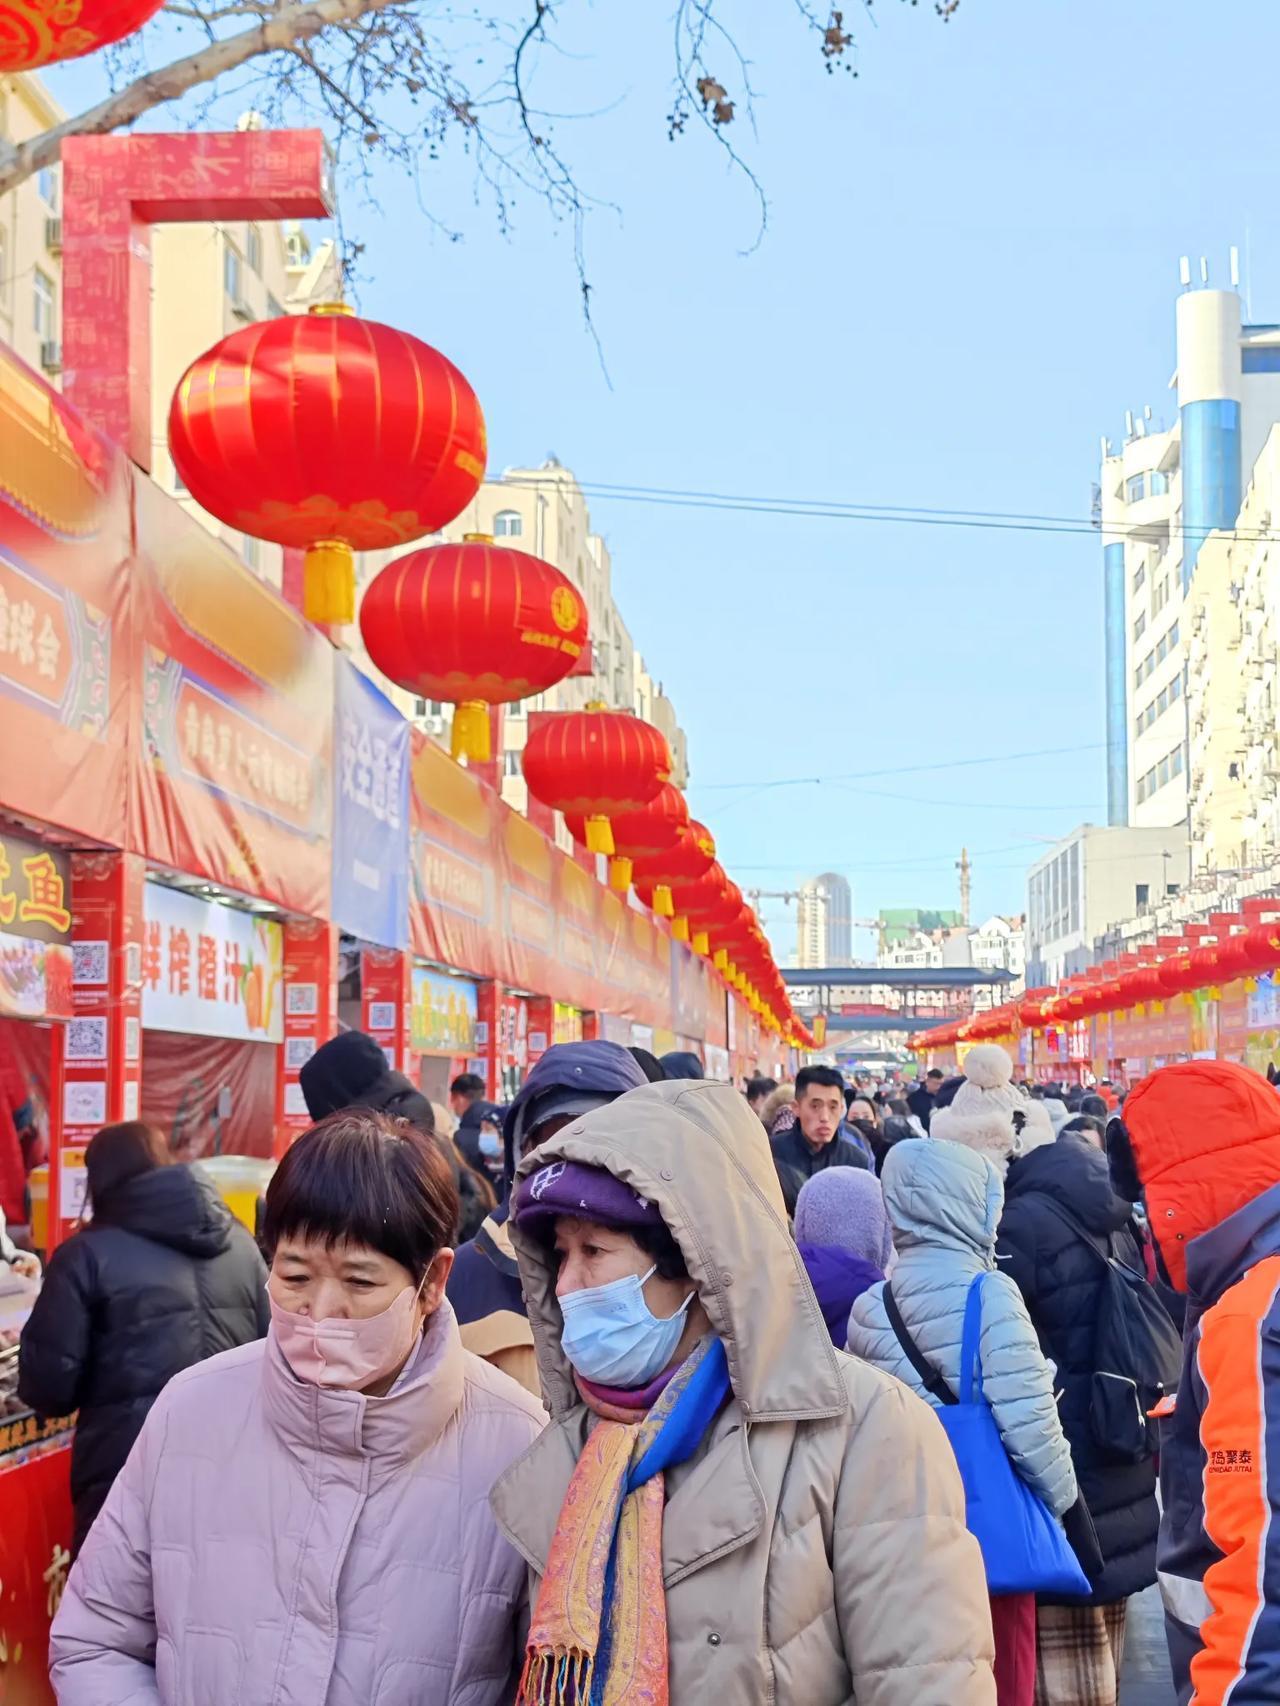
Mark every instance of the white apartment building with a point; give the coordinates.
(1089, 882)
(1163, 492)
(824, 921)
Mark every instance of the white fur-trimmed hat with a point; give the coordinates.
(980, 1115)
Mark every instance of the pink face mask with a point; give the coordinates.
(347, 1353)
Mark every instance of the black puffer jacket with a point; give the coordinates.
(1061, 1279)
(161, 1278)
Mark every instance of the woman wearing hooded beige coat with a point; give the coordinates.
(814, 1549)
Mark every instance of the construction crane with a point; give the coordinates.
(755, 896)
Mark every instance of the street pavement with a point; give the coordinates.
(1146, 1680)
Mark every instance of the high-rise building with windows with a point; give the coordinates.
(1163, 492)
(824, 921)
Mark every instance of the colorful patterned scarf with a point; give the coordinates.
(599, 1630)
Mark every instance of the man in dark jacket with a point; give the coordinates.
(351, 1071)
(162, 1277)
(921, 1099)
(1061, 1221)
(467, 1099)
(817, 1139)
(1205, 1137)
(484, 1285)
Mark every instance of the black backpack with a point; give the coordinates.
(1137, 1353)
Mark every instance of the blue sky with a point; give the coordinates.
(968, 276)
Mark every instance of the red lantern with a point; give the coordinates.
(34, 33)
(475, 624)
(330, 433)
(596, 764)
(654, 829)
(691, 857)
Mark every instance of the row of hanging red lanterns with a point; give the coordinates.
(339, 435)
(1204, 956)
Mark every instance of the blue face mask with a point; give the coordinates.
(490, 1143)
(611, 1336)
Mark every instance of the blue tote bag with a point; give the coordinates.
(1023, 1544)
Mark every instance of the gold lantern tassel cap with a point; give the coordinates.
(620, 873)
(470, 736)
(599, 835)
(680, 929)
(701, 943)
(663, 904)
(329, 583)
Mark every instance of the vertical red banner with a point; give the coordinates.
(101, 1065)
(489, 1037)
(386, 1004)
(310, 1017)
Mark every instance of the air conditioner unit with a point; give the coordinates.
(51, 355)
(53, 233)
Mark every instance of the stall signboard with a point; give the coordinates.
(370, 811)
(64, 612)
(35, 931)
(35, 1553)
(210, 970)
(236, 719)
(444, 1013)
(454, 912)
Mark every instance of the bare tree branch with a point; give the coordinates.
(283, 30)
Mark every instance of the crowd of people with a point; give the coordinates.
(646, 1389)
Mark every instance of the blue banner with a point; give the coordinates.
(370, 811)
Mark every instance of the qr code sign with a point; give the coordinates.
(382, 1015)
(302, 1000)
(297, 1052)
(89, 962)
(87, 1039)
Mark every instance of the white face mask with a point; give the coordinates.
(611, 1336)
(343, 1352)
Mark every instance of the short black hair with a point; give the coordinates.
(1081, 1124)
(467, 1084)
(935, 1072)
(361, 1178)
(826, 1076)
(649, 1064)
(759, 1087)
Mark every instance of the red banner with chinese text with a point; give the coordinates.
(64, 613)
(235, 731)
(35, 1558)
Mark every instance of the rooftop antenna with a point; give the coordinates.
(1146, 411)
(1128, 422)
(1234, 265)
(1184, 269)
(1204, 270)
(966, 884)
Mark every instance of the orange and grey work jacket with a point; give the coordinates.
(1219, 1556)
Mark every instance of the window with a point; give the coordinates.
(1263, 360)
(1141, 895)
(508, 524)
(1164, 771)
(274, 310)
(1157, 483)
(1140, 627)
(1139, 578)
(1175, 763)
(419, 707)
(1135, 488)
(1142, 789)
(1175, 689)
(253, 248)
(179, 484)
(1162, 703)
(43, 312)
(47, 184)
(231, 274)
(511, 764)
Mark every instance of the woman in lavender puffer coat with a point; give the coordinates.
(305, 1521)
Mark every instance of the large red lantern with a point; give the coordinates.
(35, 33)
(596, 764)
(654, 829)
(475, 624)
(690, 856)
(329, 433)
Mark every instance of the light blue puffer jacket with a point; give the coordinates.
(944, 1205)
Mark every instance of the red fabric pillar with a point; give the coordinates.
(385, 1003)
(101, 1064)
(310, 1017)
(542, 1026)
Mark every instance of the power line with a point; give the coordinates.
(833, 509)
(901, 769)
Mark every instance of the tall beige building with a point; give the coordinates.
(31, 235)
